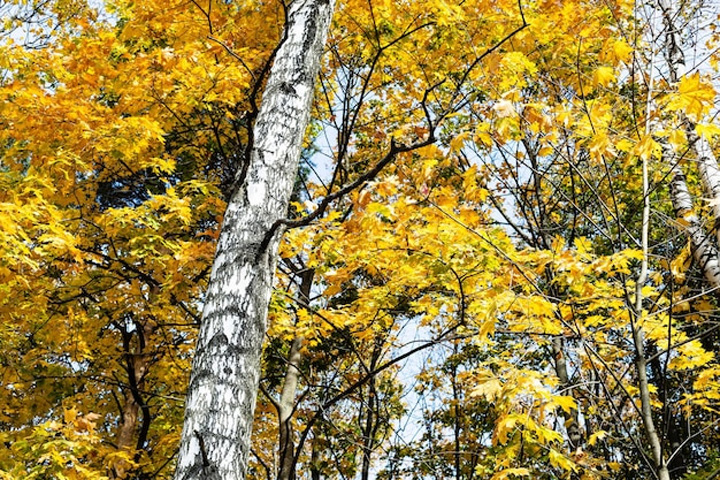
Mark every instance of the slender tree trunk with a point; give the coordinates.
(645, 406)
(456, 414)
(315, 461)
(636, 327)
(136, 366)
(368, 430)
(571, 418)
(286, 405)
(226, 368)
(369, 423)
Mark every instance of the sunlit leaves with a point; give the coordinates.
(518, 229)
(59, 449)
(694, 97)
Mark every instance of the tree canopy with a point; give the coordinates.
(500, 259)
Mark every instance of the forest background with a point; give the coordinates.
(507, 265)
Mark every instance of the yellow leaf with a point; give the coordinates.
(603, 76)
(545, 151)
(694, 96)
(488, 388)
(457, 143)
(647, 147)
(623, 145)
(677, 138)
(70, 415)
(707, 130)
(622, 51)
(599, 435)
(600, 145)
(691, 355)
(582, 245)
(504, 427)
(559, 460)
(469, 179)
(516, 472)
(566, 402)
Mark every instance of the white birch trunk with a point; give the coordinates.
(709, 173)
(224, 380)
(707, 162)
(704, 249)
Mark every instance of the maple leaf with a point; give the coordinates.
(603, 76)
(621, 50)
(695, 96)
(647, 147)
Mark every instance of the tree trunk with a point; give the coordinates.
(656, 442)
(709, 172)
(286, 405)
(646, 405)
(226, 368)
(705, 252)
(572, 425)
(137, 363)
(315, 461)
(369, 429)
(286, 449)
(456, 413)
(128, 424)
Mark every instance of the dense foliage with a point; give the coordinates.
(502, 259)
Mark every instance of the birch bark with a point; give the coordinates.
(705, 251)
(709, 172)
(707, 162)
(226, 368)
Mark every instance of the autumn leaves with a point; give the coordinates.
(508, 238)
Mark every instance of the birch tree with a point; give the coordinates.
(704, 248)
(226, 368)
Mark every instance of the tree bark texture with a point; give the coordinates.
(709, 173)
(707, 162)
(705, 251)
(226, 369)
(131, 432)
